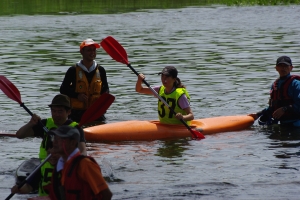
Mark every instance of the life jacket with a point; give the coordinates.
(92, 89)
(279, 97)
(54, 189)
(46, 175)
(165, 115)
(47, 168)
(77, 188)
(46, 142)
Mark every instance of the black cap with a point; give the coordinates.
(61, 100)
(169, 71)
(66, 131)
(284, 60)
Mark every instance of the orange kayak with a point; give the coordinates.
(136, 130)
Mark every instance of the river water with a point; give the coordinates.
(225, 56)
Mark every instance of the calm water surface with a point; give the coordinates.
(225, 57)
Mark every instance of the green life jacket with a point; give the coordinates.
(47, 168)
(164, 114)
(46, 175)
(46, 143)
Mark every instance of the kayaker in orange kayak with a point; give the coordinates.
(174, 93)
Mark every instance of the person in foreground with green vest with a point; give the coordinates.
(60, 109)
(174, 93)
(35, 181)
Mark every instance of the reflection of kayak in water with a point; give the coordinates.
(136, 130)
(25, 170)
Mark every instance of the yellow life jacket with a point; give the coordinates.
(164, 114)
(92, 90)
(47, 168)
(46, 139)
(46, 176)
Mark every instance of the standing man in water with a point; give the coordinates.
(284, 103)
(85, 81)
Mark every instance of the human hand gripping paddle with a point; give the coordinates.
(118, 53)
(96, 110)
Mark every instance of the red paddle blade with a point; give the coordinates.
(114, 49)
(197, 135)
(97, 109)
(10, 89)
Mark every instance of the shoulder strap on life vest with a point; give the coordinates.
(283, 92)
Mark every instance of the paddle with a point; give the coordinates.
(96, 110)
(118, 53)
(8, 135)
(13, 93)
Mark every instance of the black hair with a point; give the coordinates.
(178, 84)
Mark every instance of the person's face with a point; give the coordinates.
(167, 81)
(59, 114)
(58, 144)
(54, 157)
(89, 53)
(63, 146)
(283, 69)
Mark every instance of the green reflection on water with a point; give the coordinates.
(55, 7)
(30, 7)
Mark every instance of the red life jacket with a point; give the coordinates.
(77, 189)
(279, 97)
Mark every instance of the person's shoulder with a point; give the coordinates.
(100, 67)
(296, 79)
(87, 160)
(73, 123)
(73, 67)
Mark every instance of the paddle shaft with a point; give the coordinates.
(160, 98)
(8, 135)
(44, 127)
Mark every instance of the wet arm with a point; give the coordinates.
(189, 114)
(139, 87)
(185, 104)
(27, 130)
(25, 189)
